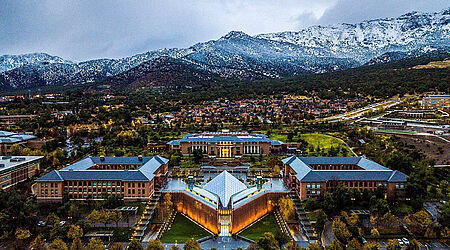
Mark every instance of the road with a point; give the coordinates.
(359, 112)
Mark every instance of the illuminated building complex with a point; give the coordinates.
(226, 144)
(311, 177)
(225, 205)
(96, 178)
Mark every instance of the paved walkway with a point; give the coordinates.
(220, 243)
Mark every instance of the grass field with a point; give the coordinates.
(324, 141)
(183, 229)
(278, 137)
(267, 224)
(395, 131)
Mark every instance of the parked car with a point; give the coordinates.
(400, 241)
(405, 240)
(41, 223)
(62, 223)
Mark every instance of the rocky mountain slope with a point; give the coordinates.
(237, 55)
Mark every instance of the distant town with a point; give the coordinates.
(293, 171)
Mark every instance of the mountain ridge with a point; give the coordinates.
(315, 49)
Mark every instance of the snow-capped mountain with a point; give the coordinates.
(238, 55)
(9, 62)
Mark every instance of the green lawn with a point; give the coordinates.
(396, 131)
(312, 216)
(267, 224)
(279, 137)
(323, 141)
(183, 229)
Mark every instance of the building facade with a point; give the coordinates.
(311, 177)
(7, 120)
(226, 144)
(8, 139)
(225, 205)
(16, 169)
(97, 178)
(436, 102)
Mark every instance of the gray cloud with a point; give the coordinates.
(80, 30)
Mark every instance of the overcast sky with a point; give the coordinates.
(81, 30)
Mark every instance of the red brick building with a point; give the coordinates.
(226, 144)
(96, 178)
(15, 169)
(311, 177)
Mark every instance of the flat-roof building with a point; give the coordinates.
(436, 102)
(96, 178)
(226, 144)
(311, 177)
(15, 169)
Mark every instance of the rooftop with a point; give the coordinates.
(9, 162)
(370, 170)
(81, 169)
(11, 137)
(224, 186)
(215, 137)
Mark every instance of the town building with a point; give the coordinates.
(226, 144)
(7, 120)
(15, 169)
(8, 139)
(225, 205)
(436, 102)
(311, 177)
(96, 178)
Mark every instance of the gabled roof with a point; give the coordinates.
(224, 186)
(80, 170)
(397, 176)
(301, 169)
(149, 168)
(370, 170)
(11, 137)
(52, 176)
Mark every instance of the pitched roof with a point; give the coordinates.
(80, 170)
(397, 176)
(224, 186)
(52, 176)
(10, 137)
(370, 170)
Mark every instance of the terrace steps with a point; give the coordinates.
(303, 220)
(144, 222)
